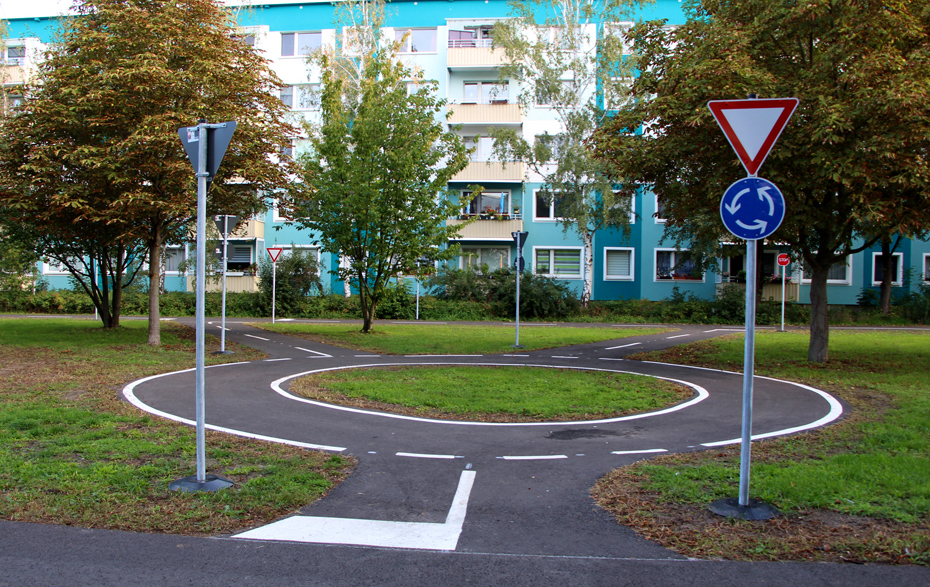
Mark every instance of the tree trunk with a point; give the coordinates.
(817, 351)
(154, 293)
(587, 269)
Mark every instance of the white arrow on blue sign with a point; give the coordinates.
(752, 208)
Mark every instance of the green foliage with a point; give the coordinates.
(370, 185)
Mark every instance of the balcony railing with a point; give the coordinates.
(251, 229)
(496, 112)
(234, 283)
(497, 229)
(488, 171)
(475, 55)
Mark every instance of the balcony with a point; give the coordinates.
(488, 230)
(491, 171)
(473, 54)
(251, 229)
(235, 283)
(12, 73)
(492, 113)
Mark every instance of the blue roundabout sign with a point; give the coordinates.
(752, 208)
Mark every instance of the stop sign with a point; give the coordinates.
(784, 259)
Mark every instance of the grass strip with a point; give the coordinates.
(856, 491)
(493, 394)
(71, 452)
(446, 339)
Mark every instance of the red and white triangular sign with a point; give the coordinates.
(753, 126)
(275, 252)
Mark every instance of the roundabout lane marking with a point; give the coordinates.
(702, 394)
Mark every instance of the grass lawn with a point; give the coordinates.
(493, 394)
(71, 452)
(856, 491)
(460, 339)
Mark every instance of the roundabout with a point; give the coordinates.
(515, 488)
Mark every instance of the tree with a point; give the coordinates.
(568, 54)
(106, 106)
(852, 162)
(374, 183)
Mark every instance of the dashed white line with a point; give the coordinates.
(415, 455)
(258, 337)
(275, 360)
(310, 351)
(637, 452)
(533, 458)
(622, 346)
(677, 336)
(430, 356)
(560, 357)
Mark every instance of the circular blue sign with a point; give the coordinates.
(752, 208)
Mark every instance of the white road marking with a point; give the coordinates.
(258, 337)
(367, 356)
(724, 330)
(533, 458)
(622, 346)
(387, 534)
(314, 352)
(426, 456)
(560, 357)
(438, 356)
(702, 394)
(285, 320)
(677, 336)
(275, 360)
(637, 452)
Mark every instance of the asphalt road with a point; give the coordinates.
(439, 502)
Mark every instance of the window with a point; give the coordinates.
(478, 258)
(660, 211)
(288, 250)
(302, 97)
(248, 39)
(557, 93)
(897, 268)
(488, 203)
(297, 44)
(479, 36)
(548, 206)
(56, 267)
(173, 256)
(15, 55)
(287, 151)
(674, 264)
(618, 264)
(840, 273)
(630, 203)
(564, 263)
(927, 267)
(485, 93)
(418, 41)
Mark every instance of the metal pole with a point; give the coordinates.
(201, 285)
(274, 281)
(748, 364)
(517, 342)
(223, 315)
(418, 297)
(784, 270)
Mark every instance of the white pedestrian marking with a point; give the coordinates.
(314, 352)
(358, 532)
(622, 346)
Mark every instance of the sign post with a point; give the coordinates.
(783, 261)
(224, 224)
(274, 253)
(205, 149)
(519, 265)
(752, 208)
(423, 261)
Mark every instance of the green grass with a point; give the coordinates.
(432, 339)
(499, 393)
(72, 453)
(872, 469)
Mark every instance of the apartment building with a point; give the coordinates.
(449, 41)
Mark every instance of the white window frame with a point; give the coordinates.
(7, 60)
(675, 260)
(54, 267)
(657, 219)
(509, 206)
(926, 267)
(164, 253)
(495, 85)
(552, 217)
(632, 274)
(408, 44)
(899, 260)
(552, 250)
(296, 34)
(472, 251)
(849, 274)
(286, 250)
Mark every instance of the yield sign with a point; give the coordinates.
(274, 252)
(752, 126)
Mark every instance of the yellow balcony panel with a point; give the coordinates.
(475, 57)
(234, 283)
(490, 171)
(496, 230)
(13, 74)
(486, 114)
(251, 229)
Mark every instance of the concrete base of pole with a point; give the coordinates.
(191, 484)
(221, 353)
(517, 346)
(755, 511)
